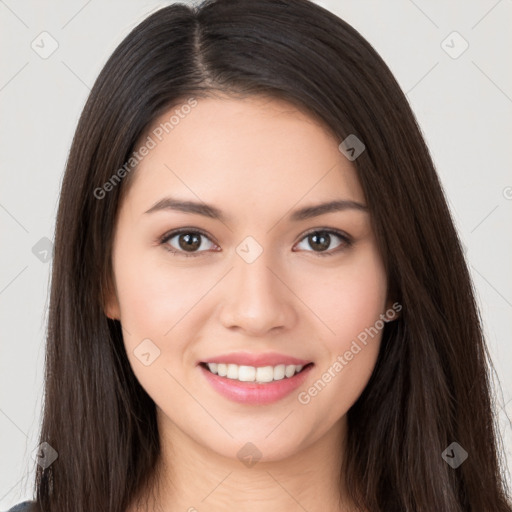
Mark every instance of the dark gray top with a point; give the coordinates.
(26, 506)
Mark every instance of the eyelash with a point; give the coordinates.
(346, 241)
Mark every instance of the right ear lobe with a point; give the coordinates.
(112, 313)
(111, 304)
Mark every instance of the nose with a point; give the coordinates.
(257, 298)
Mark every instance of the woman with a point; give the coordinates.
(258, 294)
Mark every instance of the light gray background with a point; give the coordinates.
(463, 105)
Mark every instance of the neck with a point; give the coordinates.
(194, 478)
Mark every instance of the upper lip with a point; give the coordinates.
(248, 359)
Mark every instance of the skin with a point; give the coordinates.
(256, 159)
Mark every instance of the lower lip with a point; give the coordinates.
(252, 393)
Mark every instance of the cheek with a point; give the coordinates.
(161, 303)
(350, 305)
(338, 384)
(350, 298)
(145, 302)
(359, 325)
(152, 303)
(151, 295)
(148, 306)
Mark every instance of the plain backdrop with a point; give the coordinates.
(451, 58)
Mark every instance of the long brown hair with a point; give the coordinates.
(431, 385)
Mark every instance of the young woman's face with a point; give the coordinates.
(249, 282)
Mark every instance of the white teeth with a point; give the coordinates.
(247, 373)
(232, 371)
(265, 374)
(289, 370)
(279, 372)
(254, 374)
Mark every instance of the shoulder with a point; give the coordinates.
(25, 506)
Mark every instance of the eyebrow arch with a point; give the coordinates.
(169, 203)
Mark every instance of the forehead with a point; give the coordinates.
(252, 151)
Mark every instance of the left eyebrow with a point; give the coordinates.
(207, 210)
(320, 209)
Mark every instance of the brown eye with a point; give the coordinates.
(186, 242)
(321, 240)
(189, 241)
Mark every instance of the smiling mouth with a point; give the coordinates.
(256, 374)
